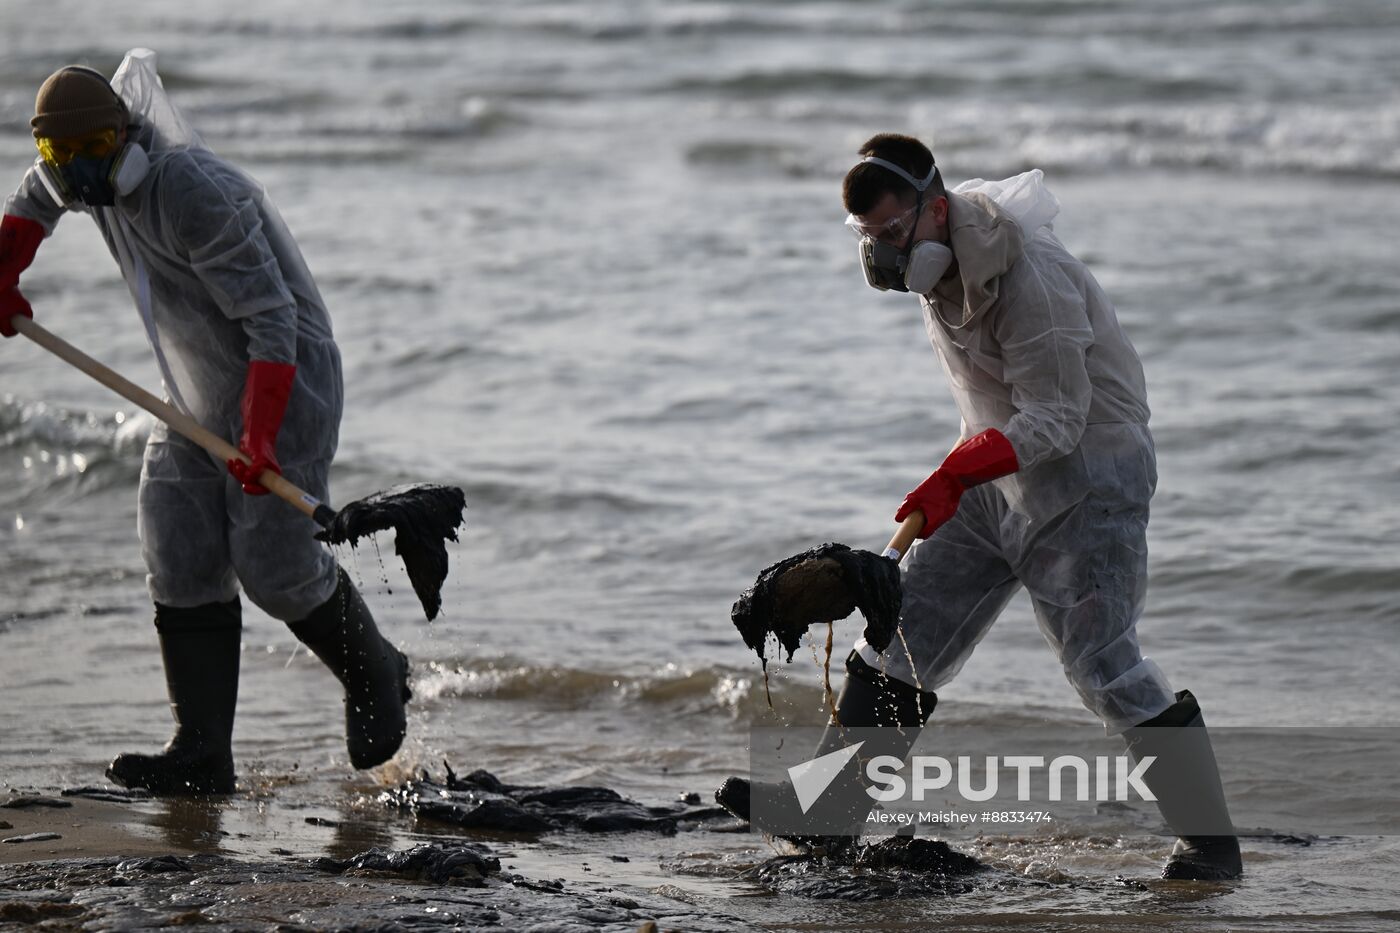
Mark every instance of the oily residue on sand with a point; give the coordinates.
(481, 801)
(895, 867)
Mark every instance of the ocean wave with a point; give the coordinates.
(625, 22)
(703, 690)
(45, 448)
(444, 27)
(591, 23)
(548, 499)
(1215, 20)
(282, 28)
(1084, 81)
(707, 689)
(311, 118)
(807, 80)
(698, 410)
(1360, 141)
(987, 138)
(761, 155)
(117, 434)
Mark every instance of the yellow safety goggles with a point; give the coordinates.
(59, 152)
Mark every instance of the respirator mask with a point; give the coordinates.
(909, 268)
(92, 180)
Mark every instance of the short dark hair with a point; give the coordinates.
(867, 183)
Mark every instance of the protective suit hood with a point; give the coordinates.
(139, 86)
(986, 242)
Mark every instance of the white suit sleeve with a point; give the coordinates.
(1043, 330)
(219, 225)
(31, 200)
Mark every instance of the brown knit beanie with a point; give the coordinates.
(76, 101)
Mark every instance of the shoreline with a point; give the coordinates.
(115, 868)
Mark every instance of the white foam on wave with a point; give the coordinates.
(1255, 137)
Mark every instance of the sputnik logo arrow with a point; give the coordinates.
(811, 778)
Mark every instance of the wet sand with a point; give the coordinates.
(120, 865)
(87, 828)
(216, 893)
(115, 868)
(432, 850)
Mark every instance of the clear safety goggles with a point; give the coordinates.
(59, 152)
(894, 230)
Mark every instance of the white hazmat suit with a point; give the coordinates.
(1032, 347)
(218, 280)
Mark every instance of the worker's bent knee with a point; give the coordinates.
(171, 588)
(292, 597)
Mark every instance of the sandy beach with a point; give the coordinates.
(143, 864)
(87, 829)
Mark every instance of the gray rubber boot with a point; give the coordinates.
(1186, 782)
(374, 673)
(200, 648)
(868, 698)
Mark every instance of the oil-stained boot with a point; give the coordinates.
(1186, 782)
(342, 633)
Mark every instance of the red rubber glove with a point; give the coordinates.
(12, 304)
(19, 241)
(265, 395)
(976, 461)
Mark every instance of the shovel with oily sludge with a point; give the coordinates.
(824, 584)
(424, 516)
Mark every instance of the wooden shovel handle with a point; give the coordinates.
(168, 413)
(906, 533)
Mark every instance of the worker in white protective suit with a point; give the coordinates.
(244, 345)
(1047, 488)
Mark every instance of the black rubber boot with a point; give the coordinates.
(200, 648)
(1186, 782)
(868, 698)
(374, 673)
